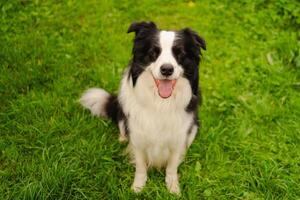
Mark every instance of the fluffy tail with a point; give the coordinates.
(101, 103)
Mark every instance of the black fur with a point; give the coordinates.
(187, 51)
(145, 49)
(115, 112)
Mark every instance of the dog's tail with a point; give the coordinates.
(101, 103)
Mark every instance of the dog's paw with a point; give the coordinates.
(138, 183)
(173, 184)
(137, 188)
(122, 138)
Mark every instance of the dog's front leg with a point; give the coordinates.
(140, 177)
(171, 172)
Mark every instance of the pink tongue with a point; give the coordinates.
(165, 88)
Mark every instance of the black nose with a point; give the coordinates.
(166, 69)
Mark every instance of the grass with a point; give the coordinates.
(51, 51)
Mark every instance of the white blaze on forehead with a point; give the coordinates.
(166, 40)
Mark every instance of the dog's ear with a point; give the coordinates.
(196, 39)
(139, 27)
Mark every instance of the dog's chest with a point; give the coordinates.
(150, 128)
(153, 121)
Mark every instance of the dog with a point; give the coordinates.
(156, 108)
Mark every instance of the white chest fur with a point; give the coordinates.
(157, 126)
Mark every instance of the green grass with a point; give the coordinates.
(51, 51)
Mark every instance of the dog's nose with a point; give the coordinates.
(166, 69)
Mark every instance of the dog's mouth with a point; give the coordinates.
(165, 87)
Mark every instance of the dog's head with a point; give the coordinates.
(168, 55)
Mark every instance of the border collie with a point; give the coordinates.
(156, 108)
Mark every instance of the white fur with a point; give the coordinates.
(158, 127)
(166, 40)
(95, 99)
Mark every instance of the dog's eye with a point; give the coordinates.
(178, 52)
(154, 53)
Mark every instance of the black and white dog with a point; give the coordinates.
(156, 108)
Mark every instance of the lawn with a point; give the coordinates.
(51, 51)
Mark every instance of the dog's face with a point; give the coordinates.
(168, 55)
